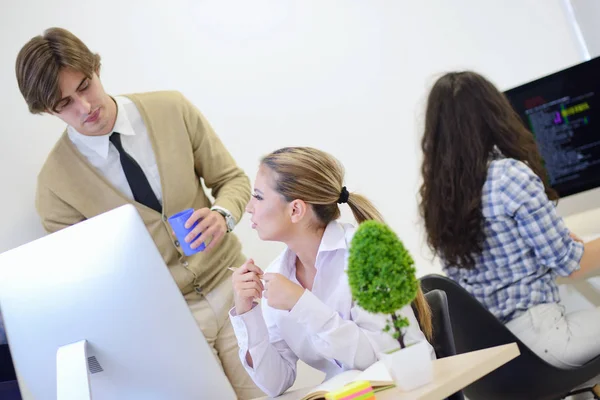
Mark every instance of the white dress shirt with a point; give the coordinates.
(325, 328)
(104, 156)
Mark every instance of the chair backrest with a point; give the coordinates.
(443, 339)
(525, 377)
(7, 370)
(9, 390)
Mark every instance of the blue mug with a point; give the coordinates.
(177, 222)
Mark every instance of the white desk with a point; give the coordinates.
(450, 375)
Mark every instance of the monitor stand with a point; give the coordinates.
(72, 374)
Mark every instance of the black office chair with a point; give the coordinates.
(9, 388)
(525, 377)
(443, 340)
(7, 370)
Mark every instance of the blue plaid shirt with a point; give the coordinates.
(526, 246)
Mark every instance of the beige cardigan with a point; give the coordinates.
(71, 190)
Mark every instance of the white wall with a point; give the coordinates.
(587, 13)
(348, 77)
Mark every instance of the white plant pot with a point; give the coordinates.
(410, 367)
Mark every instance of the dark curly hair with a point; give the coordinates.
(467, 118)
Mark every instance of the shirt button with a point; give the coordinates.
(185, 263)
(177, 243)
(164, 217)
(198, 289)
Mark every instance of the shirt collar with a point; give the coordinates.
(100, 144)
(334, 238)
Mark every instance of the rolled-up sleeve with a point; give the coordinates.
(538, 224)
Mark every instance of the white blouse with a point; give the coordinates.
(325, 329)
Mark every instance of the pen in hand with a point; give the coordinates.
(233, 269)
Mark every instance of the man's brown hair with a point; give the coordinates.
(40, 61)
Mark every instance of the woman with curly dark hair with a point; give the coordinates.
(489, 215)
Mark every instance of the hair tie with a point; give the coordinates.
(343, 196)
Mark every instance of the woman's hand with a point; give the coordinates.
(280, 292)
(246, 286)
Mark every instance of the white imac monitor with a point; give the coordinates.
(103, 283)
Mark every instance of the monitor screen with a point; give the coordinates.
(563, 112)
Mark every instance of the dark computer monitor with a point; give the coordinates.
(563, 112)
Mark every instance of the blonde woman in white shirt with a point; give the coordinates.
(307, 311)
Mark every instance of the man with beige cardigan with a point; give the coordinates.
(149, 150)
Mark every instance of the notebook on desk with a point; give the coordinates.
(376, 374)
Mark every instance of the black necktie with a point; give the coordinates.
(142, 191)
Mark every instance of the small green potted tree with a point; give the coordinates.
(382, 278)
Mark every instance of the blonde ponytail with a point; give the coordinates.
(362, 209)
(424, 314)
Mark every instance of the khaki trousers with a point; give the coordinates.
(211, 311)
